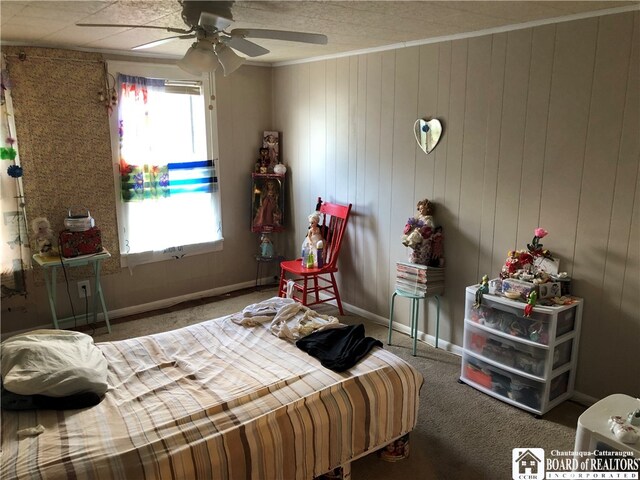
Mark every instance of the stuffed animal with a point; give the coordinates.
(43, 236)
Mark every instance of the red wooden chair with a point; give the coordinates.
(313, 281)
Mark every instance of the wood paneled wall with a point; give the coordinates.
(540, 129)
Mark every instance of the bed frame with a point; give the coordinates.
(218, 400)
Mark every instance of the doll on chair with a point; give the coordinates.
(314, 235)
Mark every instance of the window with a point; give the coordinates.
(164, 144)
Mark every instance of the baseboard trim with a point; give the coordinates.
(423, 337)
(142, 308)
(584, 399)
(170, 302)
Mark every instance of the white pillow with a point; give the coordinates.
(56, 363)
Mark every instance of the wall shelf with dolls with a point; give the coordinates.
(267, 202)
(267, 187)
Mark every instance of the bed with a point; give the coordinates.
(217, 400)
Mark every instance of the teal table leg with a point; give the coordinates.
(414, 323)
(98, 289)
(393, 299)
(415, 315)
(51, 293)
(412, 309)
(437, 318)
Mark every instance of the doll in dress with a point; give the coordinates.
(270, 142)
(268, 212)
(418, 233)
(266, 246)
(425, 212)
(313, 237)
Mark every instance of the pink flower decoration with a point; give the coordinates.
(540, 232)
(525, 258)
(407, 228)
(425, 232)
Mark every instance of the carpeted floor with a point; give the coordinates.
(461, 432)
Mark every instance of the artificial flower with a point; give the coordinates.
(415, 223)
(540, 232)
(524, 258)
(535, 247)
(8, 153)
(426, 231)
(14, 171)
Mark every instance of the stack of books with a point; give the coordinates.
(419, 279)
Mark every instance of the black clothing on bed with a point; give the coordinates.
(338, 349)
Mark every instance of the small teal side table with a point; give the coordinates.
(415, 308)
(51, 265)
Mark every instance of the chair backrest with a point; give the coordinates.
(333, 227)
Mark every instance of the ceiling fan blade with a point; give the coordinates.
(280, 35)
(162, 41)
(245, 46)
(213, 22)
(168, 29)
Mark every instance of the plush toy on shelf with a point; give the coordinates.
(43, 236)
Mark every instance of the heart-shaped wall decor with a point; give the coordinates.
(427, 133)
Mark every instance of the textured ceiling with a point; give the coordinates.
(349, 25)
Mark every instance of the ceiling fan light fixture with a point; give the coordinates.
(228, 58)
(199, 58)
(183, 65)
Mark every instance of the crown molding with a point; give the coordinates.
(460, 36)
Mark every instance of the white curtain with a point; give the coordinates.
(169, 187)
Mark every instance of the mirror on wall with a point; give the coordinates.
(427, 133)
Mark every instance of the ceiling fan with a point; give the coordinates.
(214, 46)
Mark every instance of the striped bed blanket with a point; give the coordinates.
(217, 400)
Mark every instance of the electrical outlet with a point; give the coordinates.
(84, 289)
